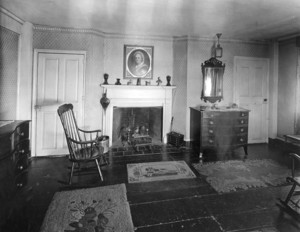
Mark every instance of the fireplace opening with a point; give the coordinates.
(137, 122)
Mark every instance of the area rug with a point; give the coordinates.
(157, 171)
(92, 209)
(226, 176)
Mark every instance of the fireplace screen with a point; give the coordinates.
(131, 122)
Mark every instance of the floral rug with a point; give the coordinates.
(154, 171)
(92, 209)
(226, 176)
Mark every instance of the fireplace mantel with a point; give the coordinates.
(138, 96)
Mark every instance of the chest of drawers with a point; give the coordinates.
(14, 160)
(222, 131)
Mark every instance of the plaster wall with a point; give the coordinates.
(287, 87)
(8, 73)
(24, 96)
(273, 89)
(180, 93)
(10, 30)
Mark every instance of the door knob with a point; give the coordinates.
(37, 107)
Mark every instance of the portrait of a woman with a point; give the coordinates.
(138, 64)
(140, 68)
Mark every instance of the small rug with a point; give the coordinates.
(226, 176)
(92, 209)
(154, 171)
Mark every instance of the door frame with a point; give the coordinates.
(267, 84)
(34, 89)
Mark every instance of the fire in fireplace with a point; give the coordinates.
(137, 123)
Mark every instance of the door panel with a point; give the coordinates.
(59, 80)
(251, 92)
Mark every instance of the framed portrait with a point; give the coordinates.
(138, 62)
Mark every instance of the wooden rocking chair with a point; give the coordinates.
(290, 201)
(83, 145)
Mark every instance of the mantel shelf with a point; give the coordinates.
(137, 86)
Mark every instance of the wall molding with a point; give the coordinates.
(10, 21)
(143, 37)
(209, 39)
(11, 15)
(68, 30)
(101, 33)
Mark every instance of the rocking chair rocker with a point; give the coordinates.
(83, 145)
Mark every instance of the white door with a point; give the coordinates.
(251, 92)
(59, 80)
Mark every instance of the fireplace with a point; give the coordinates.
(136, 122)
(138, 97)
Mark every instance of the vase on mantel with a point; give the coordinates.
(104, 101)
(105, 79)
(168, 80)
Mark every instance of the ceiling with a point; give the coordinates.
(235, 19)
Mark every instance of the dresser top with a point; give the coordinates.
(7, 127)
(220, 109)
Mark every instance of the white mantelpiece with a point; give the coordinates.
(138, 96)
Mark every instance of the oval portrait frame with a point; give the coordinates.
(145, 70)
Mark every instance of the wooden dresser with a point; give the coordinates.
(220, 130)
(14, 160)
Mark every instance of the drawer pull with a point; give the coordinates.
(19, 185)
(242, 130)
(21, 134)
(211, 122)
(211, 131)
(241, 140)
(210, 141)
(242, 121)
(22, 151)
(20, 167)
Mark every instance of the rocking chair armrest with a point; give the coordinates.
(295, 156)
(83, 142)
(91, 131)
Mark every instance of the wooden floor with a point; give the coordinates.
(177, 205)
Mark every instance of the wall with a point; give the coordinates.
(180, 62)
(180, 58)
(10, 30)
(199, 50)
(58, 39)
(114, 55)
(24, 98)
(8, 73)
(287, 92)
(104, 55)
(273, 89)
